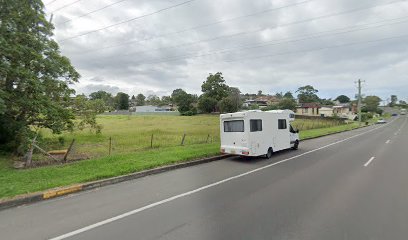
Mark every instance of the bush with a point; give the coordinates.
(379, 111)
(366, 116)
(191, 112)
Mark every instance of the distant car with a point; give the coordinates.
(381, 121)
(395, 114)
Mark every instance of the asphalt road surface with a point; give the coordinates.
(352, 185)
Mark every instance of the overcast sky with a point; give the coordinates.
(268, 45)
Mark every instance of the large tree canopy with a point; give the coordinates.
(307, 94)
(122, 101)
(34, 76)
(343, 99)
(371, 103)
(106, 97)
(215, 87)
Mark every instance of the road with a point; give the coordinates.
(352, 185)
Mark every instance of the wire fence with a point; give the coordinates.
(94, 146)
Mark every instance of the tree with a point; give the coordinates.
(106, 97)
(227, 105)
(207, 104)
(166, 100)
(342, 99)
(234, 94)
(122, 101)
(307, 94)
(2, 104)
(372, 103)
(325, 101)
(289, 95)
(140, 99)
(287, 103)
(215, 86)
(177, 94)
(184, 101)
(153, 100)
(259, 93)
(394, 100)
(279, 95)
(34, 76)
(86, 111)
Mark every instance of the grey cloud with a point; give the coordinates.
(130, 67)
(90, 88)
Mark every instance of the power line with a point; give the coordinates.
(321, 48)
(93, 11)
(65, 6)
(198, 27)
(258, 30)
(247, 32)
(129, 20)
(278, 42)
(51, 2)
(313, 49)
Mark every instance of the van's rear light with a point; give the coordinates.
(223, 150)
(245, 152)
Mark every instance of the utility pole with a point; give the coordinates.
(359, 101)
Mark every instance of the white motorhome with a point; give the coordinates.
(257, 133)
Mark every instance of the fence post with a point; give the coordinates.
(30, 153)
(182, 140)
(69, 150)
(151, 141)
(208, 136)
(110, 145)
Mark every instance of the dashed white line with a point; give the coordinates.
(388, 141)
(155, 204)
(369, 161)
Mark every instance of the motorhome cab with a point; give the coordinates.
(257, 133)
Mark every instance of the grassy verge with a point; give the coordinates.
(15, 182)
(325, 131)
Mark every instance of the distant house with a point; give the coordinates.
(262, 101)
(326, 111)
(150, 108)
(308, 109)
(250, 102)
(342, 110)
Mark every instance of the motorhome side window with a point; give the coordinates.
(256, 125)
(234, 126)
(282, 124)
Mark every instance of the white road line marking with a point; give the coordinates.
(388, 141)
(369, 161)
(155, 204)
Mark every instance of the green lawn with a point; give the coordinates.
(14, 182)
(131, 149)
(325, 131)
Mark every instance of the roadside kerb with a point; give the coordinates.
(57, 192)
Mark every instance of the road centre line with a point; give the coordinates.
(388, 141)
(369, 161)
(155, 204)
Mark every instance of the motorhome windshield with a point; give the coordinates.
(234, 126)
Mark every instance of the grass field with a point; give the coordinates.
(134, 133)
(131, 149)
